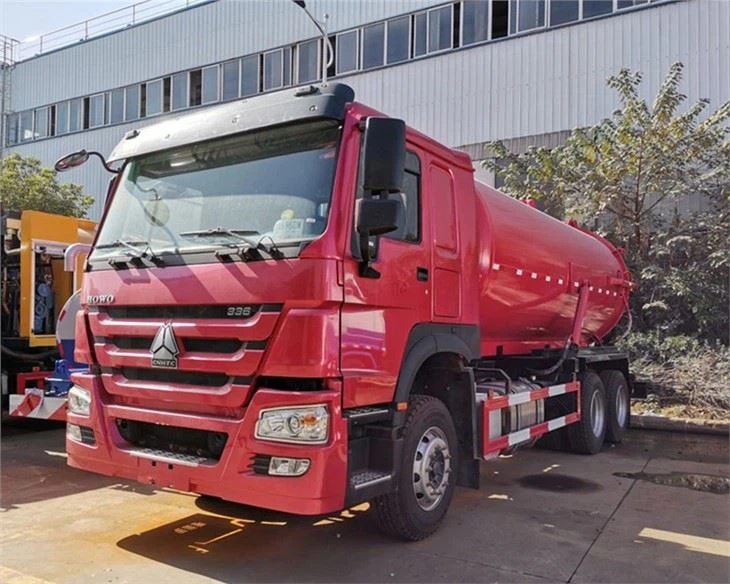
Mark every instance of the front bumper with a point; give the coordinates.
(320, 490)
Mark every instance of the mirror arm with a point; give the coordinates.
(104, 163)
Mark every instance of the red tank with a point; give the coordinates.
(531, 269)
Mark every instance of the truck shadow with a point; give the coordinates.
(231, 542)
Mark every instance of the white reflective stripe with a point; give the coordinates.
(519, 436)
(556, 423)
(518, 398)
(556, 390)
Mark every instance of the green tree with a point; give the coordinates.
(628, 177)
(26, 185)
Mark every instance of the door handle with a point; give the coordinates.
(422, 274)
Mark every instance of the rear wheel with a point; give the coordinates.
(428, 473)
(586, 436)
(618, 404)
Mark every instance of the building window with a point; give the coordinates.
(116, 110)
(152, 101)
(562, 11)
(308, 61)
(347, 51)
(196, 87)
(287, 63)
(231, 81)
(621, 4)
(96, 111)
(273, 69)
(373, 45)
(210, 84)
(75, 115)
(61, 118)
(40, 129)
(166, 89)
(399, 32)
(593, 8)
(439, 29)
(249, 75)
(26, 126)
(12, 136)
(179, 91)
(475, 22)
(500, 18)
(527, 15)
(420, 34)
(131, 102)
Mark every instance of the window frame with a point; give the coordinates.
(462, 14)
(38, 116)
(259, 73)
(318, 68)
(147, 84)
(339, 71)
(362, 45)
(111, 105)
(451, 29)
(409, 22)
(237, 62)
(174, 81)
(66, 108)
(103, 100)
(203, 70)
(280, 51)
(549, 19)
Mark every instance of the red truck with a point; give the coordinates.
(298, 303)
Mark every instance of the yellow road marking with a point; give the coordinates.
(693, 543)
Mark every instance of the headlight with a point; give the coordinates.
(308, 424)
(79, 401)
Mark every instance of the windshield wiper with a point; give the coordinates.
(133, 250)
(243, 251)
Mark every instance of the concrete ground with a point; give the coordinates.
(640, 512)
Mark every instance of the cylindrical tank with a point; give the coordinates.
(531, 269)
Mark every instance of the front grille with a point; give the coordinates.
(227, 311)
(175, 439)
(180, 377)
(197, 345)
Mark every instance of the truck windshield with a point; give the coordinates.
(272, 186)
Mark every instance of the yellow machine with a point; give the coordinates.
(35, 288)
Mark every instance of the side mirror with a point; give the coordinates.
(71, 161)
(379, 216)
(384, 155)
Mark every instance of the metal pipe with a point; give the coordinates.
(321, 27)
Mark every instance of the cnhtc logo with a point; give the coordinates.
(164, 348)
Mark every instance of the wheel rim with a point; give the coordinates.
(431, 468)
(597, 414)
(622, 408)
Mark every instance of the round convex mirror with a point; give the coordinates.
(71, 161)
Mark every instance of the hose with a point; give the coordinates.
(569, 344)
(28, 356)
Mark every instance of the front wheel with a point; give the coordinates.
(427, 478)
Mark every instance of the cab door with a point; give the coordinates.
(379, 312)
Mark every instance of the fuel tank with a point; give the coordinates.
(532, 267)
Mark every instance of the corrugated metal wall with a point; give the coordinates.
(538, 84)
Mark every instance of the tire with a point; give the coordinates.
(415, 509)
(618, 405)
(586, 436)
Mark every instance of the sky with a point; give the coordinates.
(21, 19)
